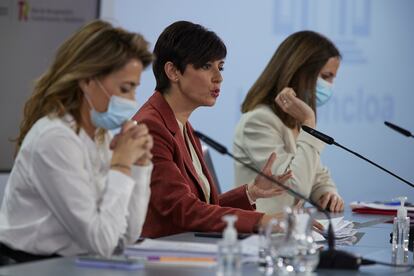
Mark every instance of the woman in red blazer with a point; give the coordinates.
(189, 61)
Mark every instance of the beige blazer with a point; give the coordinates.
(259, 133)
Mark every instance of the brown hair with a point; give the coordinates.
(296, 64)
(95, 50)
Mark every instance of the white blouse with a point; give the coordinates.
(63, 198)
(196, 163)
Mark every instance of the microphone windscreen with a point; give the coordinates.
(398, 129)
(323, 137)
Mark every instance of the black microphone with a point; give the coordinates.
(328, 259)
(399, 129)
(329, 140)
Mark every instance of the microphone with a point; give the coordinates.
(330, 141)
(329, 259)
(399, 129)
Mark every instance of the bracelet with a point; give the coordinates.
(120, 165)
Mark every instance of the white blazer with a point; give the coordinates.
(62, 198)
(259, 133)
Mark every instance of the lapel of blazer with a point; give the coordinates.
(167, 114)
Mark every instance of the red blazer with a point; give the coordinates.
(177, 201)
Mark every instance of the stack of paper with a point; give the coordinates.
(150, 248)
(159, 252)
(343, 229)
(173, 253)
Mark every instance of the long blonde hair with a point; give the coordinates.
(296, 64)
(95, 50)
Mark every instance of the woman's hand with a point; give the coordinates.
(262, 187)
(264, 221)
(331, 201)
(132, 145)
(295, 107)
(317, 226)
(145, 160)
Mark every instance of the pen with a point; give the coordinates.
(392, 203)
(389, 203)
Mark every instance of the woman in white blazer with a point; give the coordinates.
(296, 80)
(73, 189)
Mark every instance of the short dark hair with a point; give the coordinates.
(184, 43)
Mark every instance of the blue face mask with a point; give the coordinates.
(119, 110)
(324, 91)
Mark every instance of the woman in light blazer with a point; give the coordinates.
(297, 79)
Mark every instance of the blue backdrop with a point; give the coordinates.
(373, 82)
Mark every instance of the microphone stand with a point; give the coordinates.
(408, 134)
(328, 259)
(330, 141)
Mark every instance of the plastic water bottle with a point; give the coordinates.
(229, 250)
(400, 234)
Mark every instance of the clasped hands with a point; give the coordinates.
(132, 145)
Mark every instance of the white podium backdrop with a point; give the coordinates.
(373, 84)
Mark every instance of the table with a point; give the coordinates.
(374, 244)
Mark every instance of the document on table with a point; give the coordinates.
(343, 229)
(150, 247)
(380, 208)
(172, 253)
